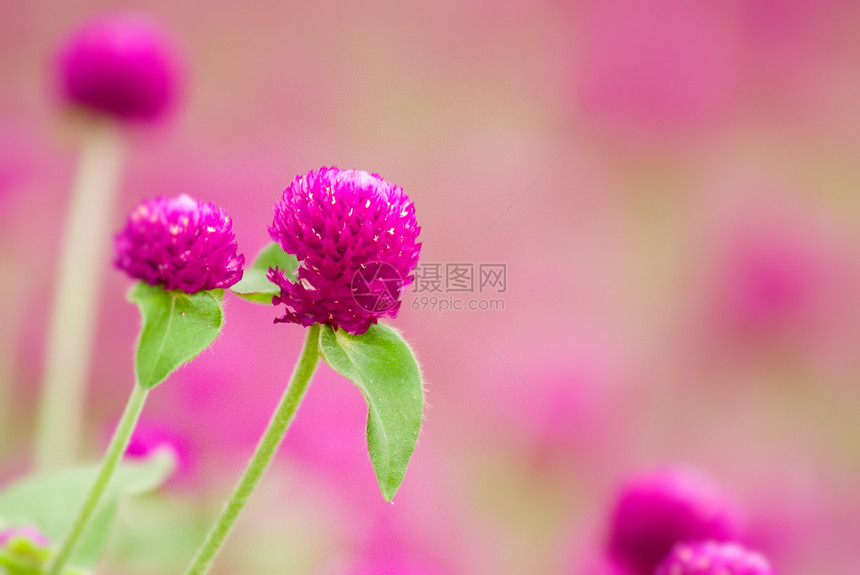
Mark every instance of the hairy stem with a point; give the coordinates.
(115, 450)
(266, 449)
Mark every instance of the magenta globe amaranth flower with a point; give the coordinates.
(355, 236)
(660, 509)
(122, 65)
(182, 243)
(712, 558)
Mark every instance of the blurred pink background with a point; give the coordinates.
(672, 187)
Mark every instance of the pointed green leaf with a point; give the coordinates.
(176, 327)
(51, 502)
(254, 285)
(384, 368)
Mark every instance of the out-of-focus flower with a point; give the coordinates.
(122, 65)
(771, 280)
(660, 509)
(794, 51)
(27, 532)
(711, 558)
(780, 278)
(180, 242)
(23, 550)
(355, 236)
(654, 70)
(149, 437)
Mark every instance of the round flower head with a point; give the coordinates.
(658, 510)
(31, 534)
(23, 550)
(355, 236)
(179, 242)
(711, 558)
(122, 65)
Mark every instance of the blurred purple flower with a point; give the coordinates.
(784, 277)
(771, 281)
(658, 510)
(122, 65)
(29, 533)
(656, 69)
(149, 437)
(711, 558)
(781, 277)
(181, 243)
(355, 235)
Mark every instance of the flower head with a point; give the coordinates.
(23, 550)
(355, 236)
(654, 73)
(711, 558)
(660, 509)
(30, 534)
(179, 242)
(154, 437)
(122, 65)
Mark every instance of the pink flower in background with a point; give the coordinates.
(356, 238)
(794, 51)
(781, 277)
(122, 65)
(711, 558)
(22, 550)
(648, 70)
(27, 532)
(660, 509)
(149, 437)
(771, 281)
(181, 243)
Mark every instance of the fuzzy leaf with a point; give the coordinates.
(254, 285)
(51, 502)
(381, 364)
(176, 328)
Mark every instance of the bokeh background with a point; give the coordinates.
(672, 187)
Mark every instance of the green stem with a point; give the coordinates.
(117, 447)
(84, 250)
(266, 449)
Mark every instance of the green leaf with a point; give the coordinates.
(51, 502)
(254, 285)
(384, 368)
(176, 328)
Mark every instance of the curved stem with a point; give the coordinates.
(82, 255)
(117, 447)
(266, 449)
